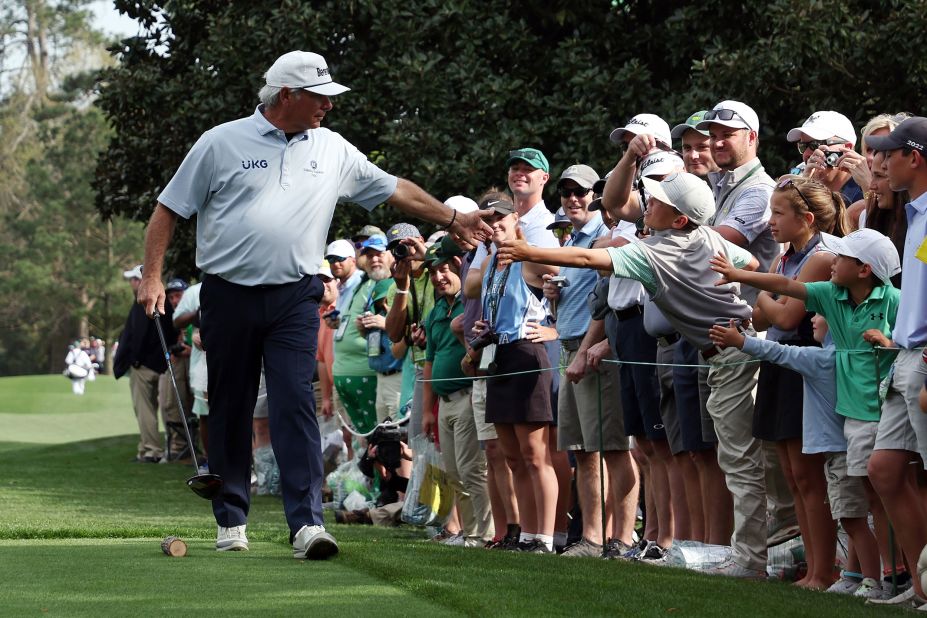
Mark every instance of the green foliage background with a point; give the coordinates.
(442, 89)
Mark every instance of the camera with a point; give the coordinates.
(484, 339)
(387, 440)
(400, 251)
(831, 157)
(560, 281)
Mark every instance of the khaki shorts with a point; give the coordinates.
(861, 438)
(903, 426)
(578, 411)
(484, 431)
(846, 493)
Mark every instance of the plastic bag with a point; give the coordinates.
(266, 471)
(697, 556)
(347, 478)
(786, 561)
(430, 495)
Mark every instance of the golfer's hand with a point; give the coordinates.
(151, 295)
(721, 265)
(469, 229)
(513, 250)
(727, 336)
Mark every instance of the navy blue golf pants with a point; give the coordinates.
(240, 327)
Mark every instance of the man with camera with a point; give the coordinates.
(410, 299)
(463, 459)
(826, 141)
(390, 460)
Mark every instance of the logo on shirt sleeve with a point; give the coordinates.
(254, 164)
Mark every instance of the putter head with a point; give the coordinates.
(207, 486)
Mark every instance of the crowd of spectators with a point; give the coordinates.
(739, 355)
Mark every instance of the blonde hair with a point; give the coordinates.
(883, 121)
(808, 195)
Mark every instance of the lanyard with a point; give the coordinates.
(496, 289)
(721, 212)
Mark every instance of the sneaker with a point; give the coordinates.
(494, 543)
(473, 542)
(534, 546)
(615, 549)
(844, 585)
(636, 550)
(870, 589)
(908, 598)
(455, 540)
(313, 543)
(231, 539)
(653, 554)
(584, 548)
(442, 536)
(729, 568)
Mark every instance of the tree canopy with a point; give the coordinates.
(442, 89)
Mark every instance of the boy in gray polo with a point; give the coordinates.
(671, 265)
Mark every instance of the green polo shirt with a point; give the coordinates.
(444, 351)
(351, 348)
(858, 375)
(425, 295)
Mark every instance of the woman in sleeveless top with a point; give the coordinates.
(519, 405)
(804, 212)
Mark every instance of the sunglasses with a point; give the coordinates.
(335, 259)
(528, 155)
(815, 144)
(578, 192)
(788, 182)
(560, 232)
(723, 114)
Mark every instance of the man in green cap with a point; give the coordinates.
(696, 146)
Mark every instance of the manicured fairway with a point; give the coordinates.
(80, 528)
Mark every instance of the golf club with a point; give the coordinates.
(207, 486)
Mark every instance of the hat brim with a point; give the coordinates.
(705, 125)
(656, 190)
(503, 211)
(595, 204)
(680, 129)
(838, 246)
(533, 164)
(339, 256)
(884, 143)
(795, 134)
(330, 89)
(582, 182)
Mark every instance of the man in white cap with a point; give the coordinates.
(826, 141)
(742, 187)
(264, 188)
(692, 302)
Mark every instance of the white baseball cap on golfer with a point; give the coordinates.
(340, 248)
(644, 123)
(687, 193)
(824, 125)
(869, 247)
(304, 70)
(733, 114)
(135, 273)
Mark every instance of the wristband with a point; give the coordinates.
(453, 218)
(398, 291)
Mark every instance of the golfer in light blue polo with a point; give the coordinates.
(264, 189)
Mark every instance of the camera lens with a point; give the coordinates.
(830, 158)
(400, 251)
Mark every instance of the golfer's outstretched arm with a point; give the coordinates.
(467, 228)
(520, 251)
(157, 238)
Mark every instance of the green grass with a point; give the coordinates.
(80, 528)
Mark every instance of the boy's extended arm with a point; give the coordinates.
(777, 284)
(520, 251)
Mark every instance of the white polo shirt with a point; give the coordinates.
(625, 293)
(264, 204)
